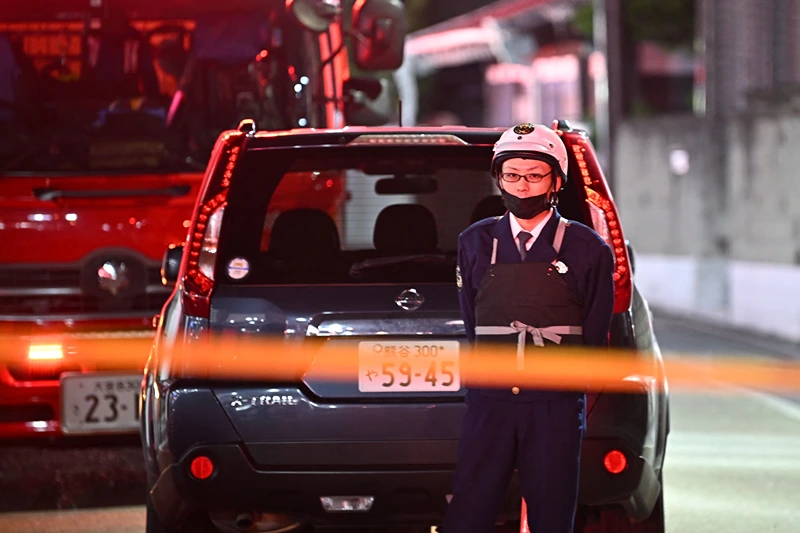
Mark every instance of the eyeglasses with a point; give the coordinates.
(511, 177)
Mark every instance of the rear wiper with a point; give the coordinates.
(381, 262)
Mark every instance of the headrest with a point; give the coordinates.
(406, 229)
(304, 233)
(491, 206)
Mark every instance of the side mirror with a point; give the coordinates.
(631, 256)
(314, 15)
(366, 102)
(171, 264)
(381, 29)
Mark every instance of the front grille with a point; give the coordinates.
(39, 278)
(79, 304)
(25, 413)
(39, 292)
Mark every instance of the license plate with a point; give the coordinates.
(100, 403)
(408, 366)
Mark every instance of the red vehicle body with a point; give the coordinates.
(83, 236)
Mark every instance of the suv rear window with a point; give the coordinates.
(357, 215)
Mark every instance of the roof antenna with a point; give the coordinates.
(400, 112)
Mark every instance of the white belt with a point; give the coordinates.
(551, 333)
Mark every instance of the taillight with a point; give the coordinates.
(208, 250)
(605, 220)
(201, 259)
(203, 238)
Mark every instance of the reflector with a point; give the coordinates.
(615, 462)
(202, 467)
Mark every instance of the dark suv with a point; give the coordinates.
(373, 278)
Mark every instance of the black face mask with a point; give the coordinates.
(526, 208)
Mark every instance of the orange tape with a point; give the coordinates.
(564, 369)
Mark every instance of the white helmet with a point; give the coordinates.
(531, 141)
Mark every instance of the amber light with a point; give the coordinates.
(201, 467)
(615, 462)
(45, 352)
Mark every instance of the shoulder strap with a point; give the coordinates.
(559, 238)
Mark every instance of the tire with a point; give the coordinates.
(616, 521)
(154, 524)
(512, 526)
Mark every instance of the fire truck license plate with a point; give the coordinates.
(100, 403)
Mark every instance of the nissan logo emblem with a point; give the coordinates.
(410, 300)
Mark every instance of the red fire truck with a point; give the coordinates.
(108, 112)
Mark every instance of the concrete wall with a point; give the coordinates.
(722, 241)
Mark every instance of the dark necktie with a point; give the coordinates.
(523, 237)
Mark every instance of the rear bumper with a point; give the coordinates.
(286, 455)
(407, 496)
(636, 488)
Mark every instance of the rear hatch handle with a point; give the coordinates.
(46, 193)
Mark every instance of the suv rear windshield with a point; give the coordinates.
(357, 215)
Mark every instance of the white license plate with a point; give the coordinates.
(408, 366)
(100, 403)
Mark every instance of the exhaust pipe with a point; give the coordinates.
(252, 521)
(245, 521)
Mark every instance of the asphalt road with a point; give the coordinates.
(733, 460)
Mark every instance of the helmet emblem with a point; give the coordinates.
(524, 129)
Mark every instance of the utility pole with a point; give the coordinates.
(612, 96)
(781, 65)
(601, 87)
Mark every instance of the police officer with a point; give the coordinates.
(534, 279)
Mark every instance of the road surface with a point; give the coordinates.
(733, 461)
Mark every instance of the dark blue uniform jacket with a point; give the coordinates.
(588, 257)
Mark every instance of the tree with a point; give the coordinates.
(423, 13)
(416, 14)
(670, 23)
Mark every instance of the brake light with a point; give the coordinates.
(203, 237)
(408, 138)
(605, 220)
(202, 254)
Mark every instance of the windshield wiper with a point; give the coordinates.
(46, 194)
